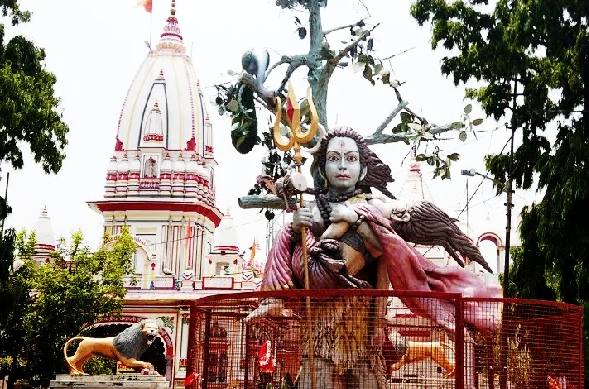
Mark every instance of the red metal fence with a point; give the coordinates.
(369, 339)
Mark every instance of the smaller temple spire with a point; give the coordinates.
(171, 39)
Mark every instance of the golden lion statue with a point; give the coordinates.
(406, 352)
(126, 347)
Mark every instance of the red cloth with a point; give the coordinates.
(191, 379)
(147, 4)
(265, 358)
(407, 270)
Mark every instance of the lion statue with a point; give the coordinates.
(127, 347)
(399, 352)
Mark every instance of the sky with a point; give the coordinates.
(96, 48)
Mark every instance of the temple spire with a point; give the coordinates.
(171, 39)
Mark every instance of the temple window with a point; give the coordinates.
(222, 269)
(150, 168)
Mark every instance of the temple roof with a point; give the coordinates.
(225, 238)
(44, 231)
(414, 188)
(164, 106)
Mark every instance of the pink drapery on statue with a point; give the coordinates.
(407, 270)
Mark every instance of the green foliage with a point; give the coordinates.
(57, 300)
(545, 47)
(28, 112)
(100, 365)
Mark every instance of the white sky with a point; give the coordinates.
(95, 49)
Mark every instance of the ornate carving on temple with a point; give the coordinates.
(154, 125)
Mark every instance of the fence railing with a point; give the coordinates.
(370, 339)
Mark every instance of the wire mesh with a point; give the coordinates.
(348, 339)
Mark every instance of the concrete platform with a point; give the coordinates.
(131, 381)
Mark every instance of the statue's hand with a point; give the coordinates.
(302, 217)
(342, 213)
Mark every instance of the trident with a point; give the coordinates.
(295, 138)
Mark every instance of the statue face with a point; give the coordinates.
(342, 166)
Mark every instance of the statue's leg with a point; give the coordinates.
(80, 363)
(325, 375)
(136, 364)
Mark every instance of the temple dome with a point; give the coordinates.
(112, 165)
(414, 188)
(44, 231)
(164, 106)
(225, 238)
(135, 164)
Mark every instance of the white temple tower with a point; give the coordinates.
(160, 180)
(160, 183)
(45, 239)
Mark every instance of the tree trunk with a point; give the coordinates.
(584, 58)
(319, 86)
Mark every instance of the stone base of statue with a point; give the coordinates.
(120, 381)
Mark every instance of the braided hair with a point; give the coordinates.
(378, 174)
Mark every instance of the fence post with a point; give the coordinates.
(459, 342)
(581, 346)
(191, 357)
(246, 358)
(206, 351)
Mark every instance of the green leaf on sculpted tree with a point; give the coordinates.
(233, 106)
(477, 122)
(468, 109)
(462, 136)
(457, 125)
(453, 157)
(406, 117)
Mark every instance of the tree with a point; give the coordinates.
(28, 114)
(355, 48)
(56, 301)
(544, 49)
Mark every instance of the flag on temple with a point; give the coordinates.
(147, 4)
(253, 253)
(265, 358)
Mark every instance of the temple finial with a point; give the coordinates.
(173, 8)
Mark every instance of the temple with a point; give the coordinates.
(160, 183)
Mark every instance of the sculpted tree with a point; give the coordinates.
(28, 114)
(57, 300)
(330, 49)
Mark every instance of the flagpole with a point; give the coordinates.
(151, 28)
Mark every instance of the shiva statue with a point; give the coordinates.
(359, 239)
